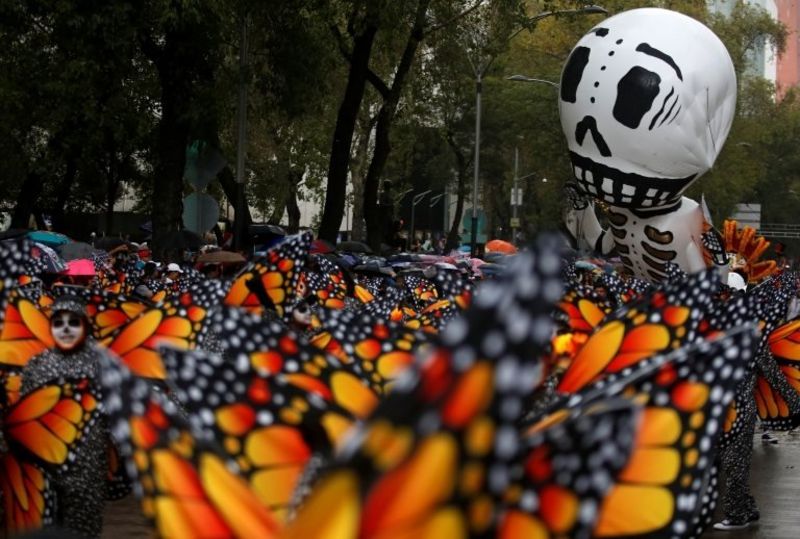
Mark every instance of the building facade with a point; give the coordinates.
(783, 70)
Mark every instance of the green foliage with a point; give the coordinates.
(81, 99)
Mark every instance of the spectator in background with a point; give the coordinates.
(427, 245)
(212, 271)
(173, 273)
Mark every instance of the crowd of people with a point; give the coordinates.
(268, 370)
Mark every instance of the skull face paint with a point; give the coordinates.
(68, 330)
(301, 314)
(646, 102)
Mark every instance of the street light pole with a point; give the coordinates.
(474, 233)
(515, 197)
(480, 69)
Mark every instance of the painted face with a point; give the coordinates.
(302, 314)
(68, 330)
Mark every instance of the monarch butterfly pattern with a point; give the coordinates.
(186, 483)
(663, 489)
(270, 282)
(270, 347)
(270, 427)
(43, 431)
(661, 321)
(455, 415)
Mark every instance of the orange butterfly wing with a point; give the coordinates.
(46, 424)
(270, 427)
(656, 324)
(685, 395)
(187, 486)
(177, 323)
(422, 462)
(272, 280)
(28, 503)
(49, 421)
(565, 494)
(271, 348)
(25, 331)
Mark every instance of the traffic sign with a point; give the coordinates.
(515, 222)
(516, 196)
(203, 163)
(200, 212)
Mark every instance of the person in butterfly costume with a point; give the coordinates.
(738, 504)
(80, 488)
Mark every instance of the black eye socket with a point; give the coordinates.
(573, 72)
(636, 92)
(74, 322)
(58, 322)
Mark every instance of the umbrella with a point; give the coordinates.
(81, 267)
(322, 247)
(51, 239)
(353, 247)
(494, 256)
(271, 229)
(76, 250)
(49, 259)
(13, 233)
(221, 257)
(500, 246)
(584, 265)
(108, 243)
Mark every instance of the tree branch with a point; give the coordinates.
(149, 47)
(374, 80)
(377, 83)
(453, 19)
(340, 41)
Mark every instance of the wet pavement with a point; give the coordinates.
(123, 520)
(775, 482)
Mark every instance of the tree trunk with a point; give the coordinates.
(168, 173)
(357, 173)
(386, 117)
(62, 194)
(27, 200)
(292, 208)
(228, 183)
(112, 183)
(454, 236)
(177, 64)
(276, 216)
(343, 134)
(30, 192)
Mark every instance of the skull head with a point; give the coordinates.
(647, 100)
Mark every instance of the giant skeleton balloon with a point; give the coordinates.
(647, 100)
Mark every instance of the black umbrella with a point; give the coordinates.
(353, 247)
(13, 233)
(76, 250)
(107, 243)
